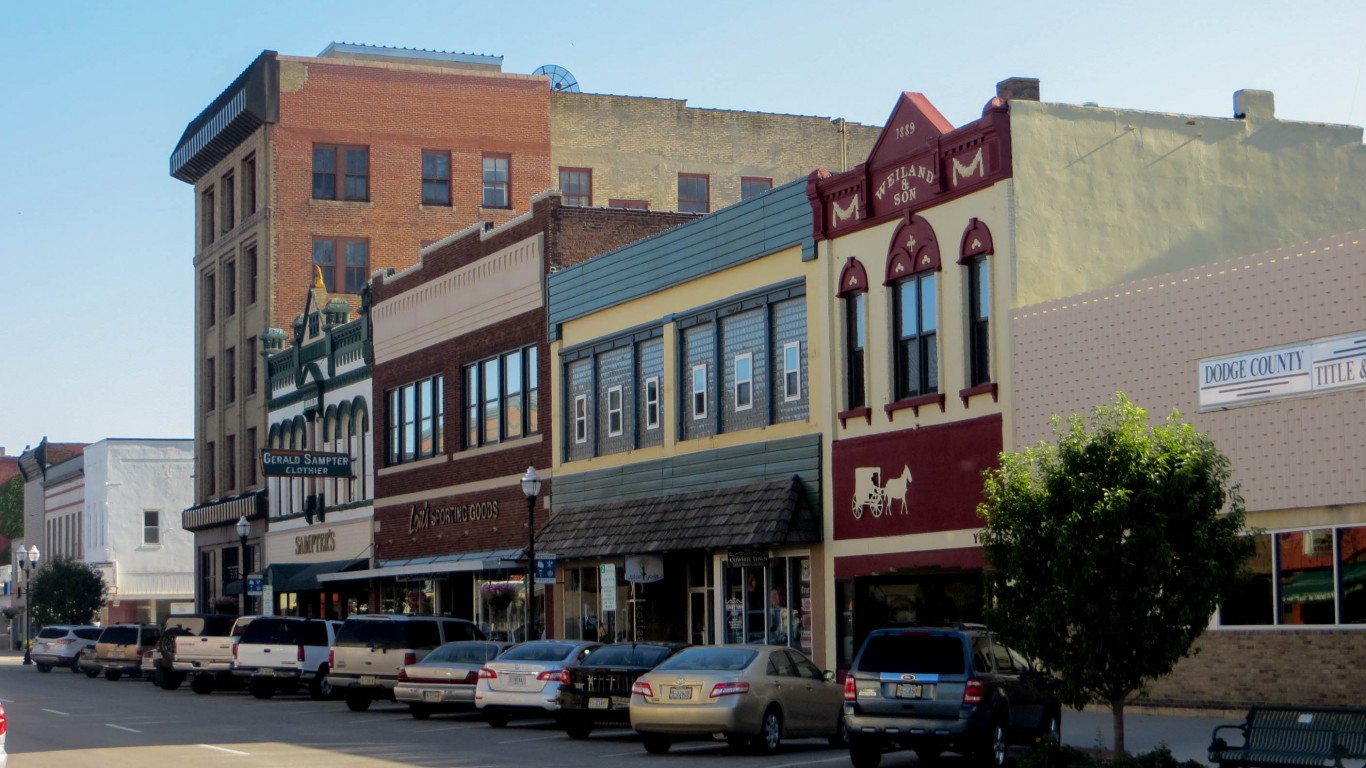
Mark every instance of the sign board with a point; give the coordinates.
(746, 558)
(254, 583)
(644, 569)
(1321, 365)
(267, 600)
(607, 581)
(545, 568)
(278, 463)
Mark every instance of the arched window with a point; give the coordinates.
(361, 445)
(912, 271)
(973, 252)
(854, 291)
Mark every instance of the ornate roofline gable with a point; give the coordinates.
(914, 248)
(914, 122)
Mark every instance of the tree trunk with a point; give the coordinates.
(1117, 711)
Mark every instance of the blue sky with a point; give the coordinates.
(96, 293)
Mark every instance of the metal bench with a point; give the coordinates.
(1274, 737)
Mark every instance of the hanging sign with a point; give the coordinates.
(607, 579)
(644, 569)
(276, 463)
(746, 558)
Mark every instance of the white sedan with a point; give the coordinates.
(525, 679)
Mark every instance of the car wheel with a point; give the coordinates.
(92, 673)
(578, 728)
(419, 712)
(201, 684)
(321, 687)
(112, 675)
(993, 751)
(656, 744)
(840, 738)
(770, 732)
(171, 680)
(864, 753)
(357, 701)
(75, 666)
(261, 689)
(44, 668)
(497, 719)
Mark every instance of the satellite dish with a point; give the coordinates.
(560, 78)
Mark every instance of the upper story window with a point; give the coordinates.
(436, 177)
(502, 398)
(699, 391)
(853, 291)
(341, 172)
(230, 373)
(976, 246)
(249, 185)
(497, 181)
(344, 261)
(744, 381)
(253, 274)
(151, 527)
(576, 184)
(228, 184)
(207, 216)
(580, 419)
(652, 402)
(792, 371)
(694, 192)
(210, 300)
(230, 462)
(210, 469)
(912, 269)
(210, 385)
(252, 370)
(753, 186)
(230, 288)
(614, 406)
(416, 420)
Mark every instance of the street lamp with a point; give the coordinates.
(243, 528)
(28, 561)
(531, 487)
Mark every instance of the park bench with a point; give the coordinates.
(1274, 737)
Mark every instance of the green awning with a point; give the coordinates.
(302, 577)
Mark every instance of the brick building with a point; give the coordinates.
(355, 159)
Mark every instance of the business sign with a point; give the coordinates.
(255, 582)
(607, 583)
(644, 569)
(746, 558)
(276, 463)
(1313, 367)
(545, 568)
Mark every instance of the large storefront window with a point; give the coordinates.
(1308, 577)
(500, 607)
(595, 603)
(1252, 604)
(769, 603)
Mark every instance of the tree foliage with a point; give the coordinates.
(12, 508)
(1110, 550)
(65, 591)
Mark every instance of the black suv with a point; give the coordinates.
(943, 689)
(599, 688)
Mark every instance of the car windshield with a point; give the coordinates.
(463, 653)
(539, 651)
(624, 655)
(919, 653)
(49, 633)
(722, 659)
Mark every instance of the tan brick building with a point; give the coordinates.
(353, 160)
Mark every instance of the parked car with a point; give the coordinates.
(178, 625)
(60, 645)
(525, 679)
(943, 689)
(120, 647)
(445, 679)
(284, 652)
(371, 648)
(202, 651)
(599, 688)
(4, 727)
(87, 662)
(748, 695)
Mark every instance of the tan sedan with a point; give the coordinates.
(746, 695)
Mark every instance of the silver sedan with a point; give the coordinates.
(445, 678)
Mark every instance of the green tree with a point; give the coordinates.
(65, 591)
(1110, 550)
(11, 511)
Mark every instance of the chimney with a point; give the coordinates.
(1018, 89)
(1254, 105)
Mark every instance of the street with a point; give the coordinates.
(61, 720)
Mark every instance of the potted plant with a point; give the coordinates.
(499, 594)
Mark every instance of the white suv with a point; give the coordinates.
(60, 645)
(284, 652)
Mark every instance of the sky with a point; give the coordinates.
(96, 238)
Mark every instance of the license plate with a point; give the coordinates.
(368, 680)
(266, 672)
(908, 690)
(680, 692)
(599, 703)
(517, 680)
(433, 697)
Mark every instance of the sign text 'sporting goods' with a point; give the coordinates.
(276, 463)
(1312, 367)
(426, 516)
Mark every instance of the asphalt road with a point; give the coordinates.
(61, 720)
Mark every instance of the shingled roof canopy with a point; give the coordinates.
(762, 514)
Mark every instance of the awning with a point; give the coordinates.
(225, 511)
(763, 514)
(494, 560)
(300, 577)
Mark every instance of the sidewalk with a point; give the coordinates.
(1186, 735)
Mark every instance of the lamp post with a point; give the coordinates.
(243, 528)
(28, 561)
(531, 487)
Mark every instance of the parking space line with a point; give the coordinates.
(55, 712)
(223, 749)
(122, 728)
(534, 738)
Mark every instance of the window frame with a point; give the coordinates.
(230, 374)
(230, 287)
(754, 181)
(249, 185)
(923, 343)
(792, 391)
(444, 182)
(979, 321)
(339, 271)
(208, 216)
(747, 382)
(525, 401)
(210, 299)
(855, 350)
(705, 201)
(615, 420)
(582, 198)
(228, 215)
(494, 184)
(340, 173)
(253, 273)
(652, 400)
(409, 407)
(151, 524)
(211, 380)
(580, 419)
(698, 406)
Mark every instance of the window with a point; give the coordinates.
(345, 275)
(350, 177)
(230, 463)
(230, 288)
(210, 300)
(979, 313)
(635, 205)
(252, 274)
(652, 403)
(416, 419)
(792, 371)
(853, 345)
(151, 527)
(251, 457)
(229, 188)
(210, 381)
(501, 398)
(206, 217)
(577, 186)
(917, 361)
(614, 411)
(694, 193)
(436, 177)
(496, 181)
(251, 366)
(249, 185)
(210, 469)
(753, 186)
(744, 381)
(699, 391)
(230, 371)
(580, 419)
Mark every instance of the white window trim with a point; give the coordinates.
(652, 412)
(580, 418)
(693, 393)
(614, 411)
(747, 357)
(145, 527)
(790, 395)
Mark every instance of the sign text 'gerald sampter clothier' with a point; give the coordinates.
(304, 464)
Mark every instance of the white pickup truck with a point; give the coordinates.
(205, 657)
(285, 652)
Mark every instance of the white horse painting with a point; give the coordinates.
(896, 489)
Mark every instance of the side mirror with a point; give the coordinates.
(827, 675)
